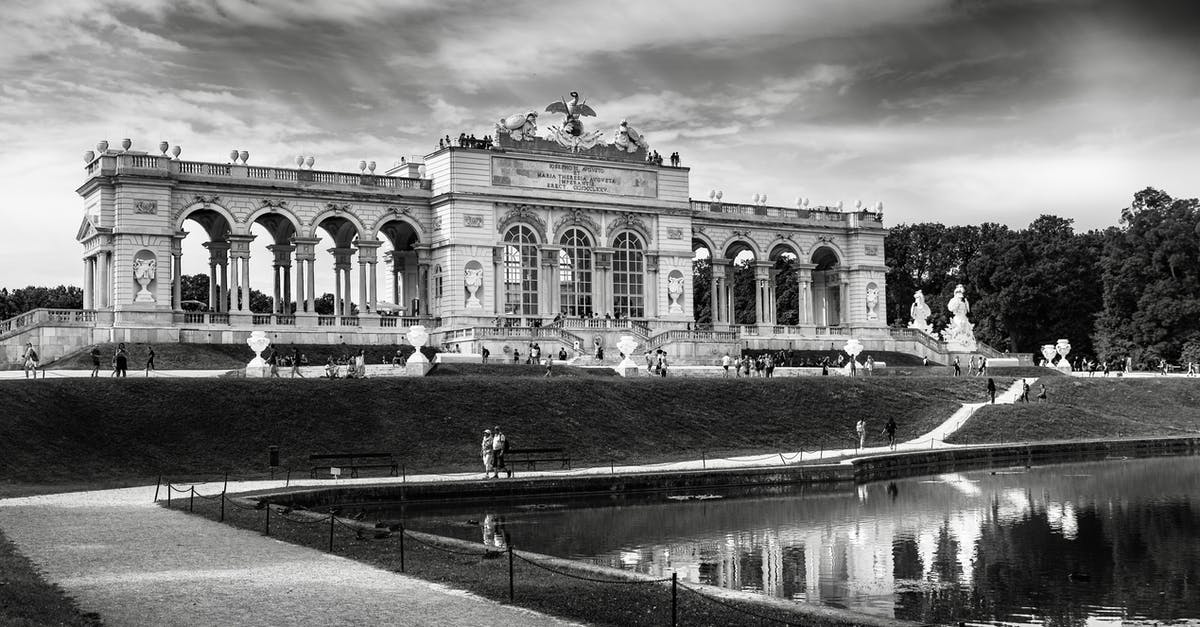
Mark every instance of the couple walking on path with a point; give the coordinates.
(492, 450)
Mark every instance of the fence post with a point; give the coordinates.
(331, 519)
(192, 499)
(169, 490)
(268, 529)
(703, 461)
(289, 478)
(782, 460)
(674, 599)
(222, 506)
(226, 484)
(510, 573)
(401, 547)
(403, 474)
(156, 487)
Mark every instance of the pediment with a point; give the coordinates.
(86, 231)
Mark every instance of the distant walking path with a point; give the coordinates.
(135, 563)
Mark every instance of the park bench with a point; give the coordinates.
(531, 457)
(354, 462)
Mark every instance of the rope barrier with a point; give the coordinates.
(592, 579)
(736, 608)
(302, 522)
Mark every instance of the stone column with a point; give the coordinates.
(714, 293)
(602, 302)
(498, 294)
(762, 274)
(727, 296)
(106, 290)
(804, 299)
(424, 261)
(341, 270)
(88, 303)
(305, 281)
(367, 255)
(177, 272)
(282, 265)
(549, 265)
(218, 256)
(650, 288)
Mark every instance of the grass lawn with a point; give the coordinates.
(27, 600)
(1092, 408)
(105, 430)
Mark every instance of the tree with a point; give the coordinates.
(21, 300)
(1151, 273)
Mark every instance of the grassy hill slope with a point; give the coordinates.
(1092, 408)
(85, 430)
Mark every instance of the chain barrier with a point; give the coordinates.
(736, 608)
(234, 503)
(591, 579)
(442, 548)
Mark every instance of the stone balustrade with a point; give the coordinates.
(787, 214)
(124, 163)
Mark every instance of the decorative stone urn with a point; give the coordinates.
(1063, 348)
(1048, 353)
(144, 271)
(674, 293)
(474, 280)
(418, 364)
(627, 367)
(258, 342)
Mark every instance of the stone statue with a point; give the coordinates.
(961, 331)
(520, 127)
(872, 303)
(920, 313)
(674, 292)
(571, 134)
(474, 280)
(628, 138)
(144, 271)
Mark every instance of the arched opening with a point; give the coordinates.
(401, 294)
(521, 271)
(742, 279)
(575, 273)
(273, 253)
(204, 264)
(629, 276)
(335, 247)
(786, 284)
(702, 287)
(827, 287)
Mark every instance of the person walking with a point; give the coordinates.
(1024, 390)
(95, 361)
(149, 359)
(499, 448)
(1042, 393)
(296, 363)
(890, 430)
(120, 361)
(725, 361)
(32, 363)
(957, 368)
(861, 430)
(991, 388)
(488, 455)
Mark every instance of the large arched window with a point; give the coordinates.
(520, 271)
(629, 267)
(575, 273)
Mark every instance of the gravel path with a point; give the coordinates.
(135, 563)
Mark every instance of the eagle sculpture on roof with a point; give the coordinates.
(573, 110)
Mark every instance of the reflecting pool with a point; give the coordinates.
(1073, 544)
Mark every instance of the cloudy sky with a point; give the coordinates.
(960, 111)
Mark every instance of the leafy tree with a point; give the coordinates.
(1151, 270)
(787, 291)
(21, 300)
(702, 290)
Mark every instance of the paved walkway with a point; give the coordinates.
(135, 563)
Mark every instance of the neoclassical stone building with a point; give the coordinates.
(486, 246)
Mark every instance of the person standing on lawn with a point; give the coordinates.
(499, 448)
(149, 359)
(890, 431)
(861, 429)
(31, 361)
(1024, 390)
(95, 361)
(120, 361)
(991, 388)
(488, 454)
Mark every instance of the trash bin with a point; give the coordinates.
(273, 456)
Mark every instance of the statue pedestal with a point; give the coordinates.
(417, 368)
(627, 368)
(258, 372)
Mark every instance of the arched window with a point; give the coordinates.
(629, 267)
(575, 273)
(520, 271)
(439, 283)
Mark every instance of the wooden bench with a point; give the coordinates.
(355, 462)
(531, 457)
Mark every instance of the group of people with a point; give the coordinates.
(344, 367)
(889, 432)
(468, 141)
(656, 362)
(977, 366)
(654, 158)
(492, 449)
(119, 361)
(761, 366)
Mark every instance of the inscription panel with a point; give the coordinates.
(589, 178)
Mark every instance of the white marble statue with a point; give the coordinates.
(920, 313)
(872, 303)
(961, 332)
(628, 138)
(674, 293)
(144, 271)
(519, 126)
